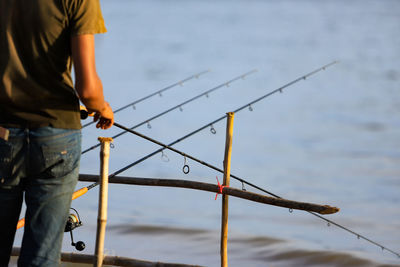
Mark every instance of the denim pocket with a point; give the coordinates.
(60, 158)
(5, 163)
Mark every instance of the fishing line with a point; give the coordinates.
(175, 107)
(243, 181)
(159, 92)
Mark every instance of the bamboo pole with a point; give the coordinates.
(180, 183)
(225, 197)
(103, 198)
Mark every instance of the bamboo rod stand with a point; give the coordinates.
(225, 198)
(103, 198)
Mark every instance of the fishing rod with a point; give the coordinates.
(248, 105)
(206, 93)
(169, 146)
(159, 92)
(243, 181)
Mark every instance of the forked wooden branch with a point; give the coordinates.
(290, 204)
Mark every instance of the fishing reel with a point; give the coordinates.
(74, 221)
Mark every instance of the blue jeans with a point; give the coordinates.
(43, 165)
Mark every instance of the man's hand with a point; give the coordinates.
(105, 117)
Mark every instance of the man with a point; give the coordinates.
(39, 108)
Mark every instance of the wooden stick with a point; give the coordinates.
(281, 202)
(103, 198)
(109, 260)
(225, 197)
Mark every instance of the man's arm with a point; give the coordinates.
(87, 83)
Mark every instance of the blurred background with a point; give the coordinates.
(330, 139)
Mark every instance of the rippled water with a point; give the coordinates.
(331, 139)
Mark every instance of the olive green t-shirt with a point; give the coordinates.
(36, 87)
